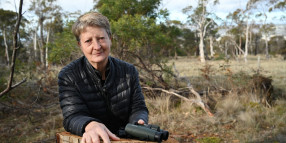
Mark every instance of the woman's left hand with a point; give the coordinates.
(141, 122)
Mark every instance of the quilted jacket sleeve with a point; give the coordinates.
(138, 109)
(74, 110)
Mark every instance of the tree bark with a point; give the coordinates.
(225, 49)
(42, 44)
(6, 48)
(211, 47)
(202, 53)
(47, 49)
(250, 39)
(246, 43)
(35, 45)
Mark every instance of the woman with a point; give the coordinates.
(99, 94)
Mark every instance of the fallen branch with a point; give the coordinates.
(198, 101)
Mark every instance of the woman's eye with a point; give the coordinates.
(87, 41)
(101, 39)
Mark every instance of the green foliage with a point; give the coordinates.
(277, 45)
(138, 38)
(7, 23)
(181, 52)
(115, 9)
(280, 5)
(3, 79)
(8, 18)
(64, 48)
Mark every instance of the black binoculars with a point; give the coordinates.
(146, 132)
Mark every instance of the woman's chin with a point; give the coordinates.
(98, 59)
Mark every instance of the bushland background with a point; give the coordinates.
(207, 79)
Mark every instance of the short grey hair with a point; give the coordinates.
(94, 19)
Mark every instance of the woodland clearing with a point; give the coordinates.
(31, 112)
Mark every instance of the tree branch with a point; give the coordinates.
(15, 48)
(144, 67)
(198, 101)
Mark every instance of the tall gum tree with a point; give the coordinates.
(200, 17)
(262, 9)
(240, 28)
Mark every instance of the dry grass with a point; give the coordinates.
(275, 67)
(239, 115)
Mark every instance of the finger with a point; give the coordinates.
(87, 139)
(111, 135)
(83, 140)
(104, 136)
(141, 122)
(95, 138)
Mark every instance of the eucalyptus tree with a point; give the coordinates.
(240, 30)
(64, 48)
(173, 29)
(190, 41)
(201, 18)
(274, 6)
(7, 25)
(46, 12)
(262, 8)
(212, 34)
(8, 20)
(115, 9)
(138, 37)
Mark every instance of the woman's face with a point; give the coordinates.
(95, 45)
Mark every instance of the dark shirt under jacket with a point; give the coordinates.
(84, 97)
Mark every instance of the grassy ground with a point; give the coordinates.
(31, 113)
(239, 115)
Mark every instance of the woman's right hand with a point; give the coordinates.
(94, 131)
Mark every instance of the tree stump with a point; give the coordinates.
(66, 137)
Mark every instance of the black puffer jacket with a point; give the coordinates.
(84, 99)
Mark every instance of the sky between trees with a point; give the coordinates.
(174, 7)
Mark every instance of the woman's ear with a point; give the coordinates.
(78, 43)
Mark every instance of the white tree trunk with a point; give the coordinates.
(225, 49)
(35, 45)
(266, 47)
(42, 46)
(250, 40)
(47, 49)
(211, 47)
(6, 48)
(202, 54)
(41, 53)
(246, 43)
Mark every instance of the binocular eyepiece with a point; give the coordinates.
(146, 132)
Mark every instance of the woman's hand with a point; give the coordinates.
(94, 131)
(141, 122)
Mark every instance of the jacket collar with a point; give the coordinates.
(96, 75)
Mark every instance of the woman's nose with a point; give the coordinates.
(96, 45)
